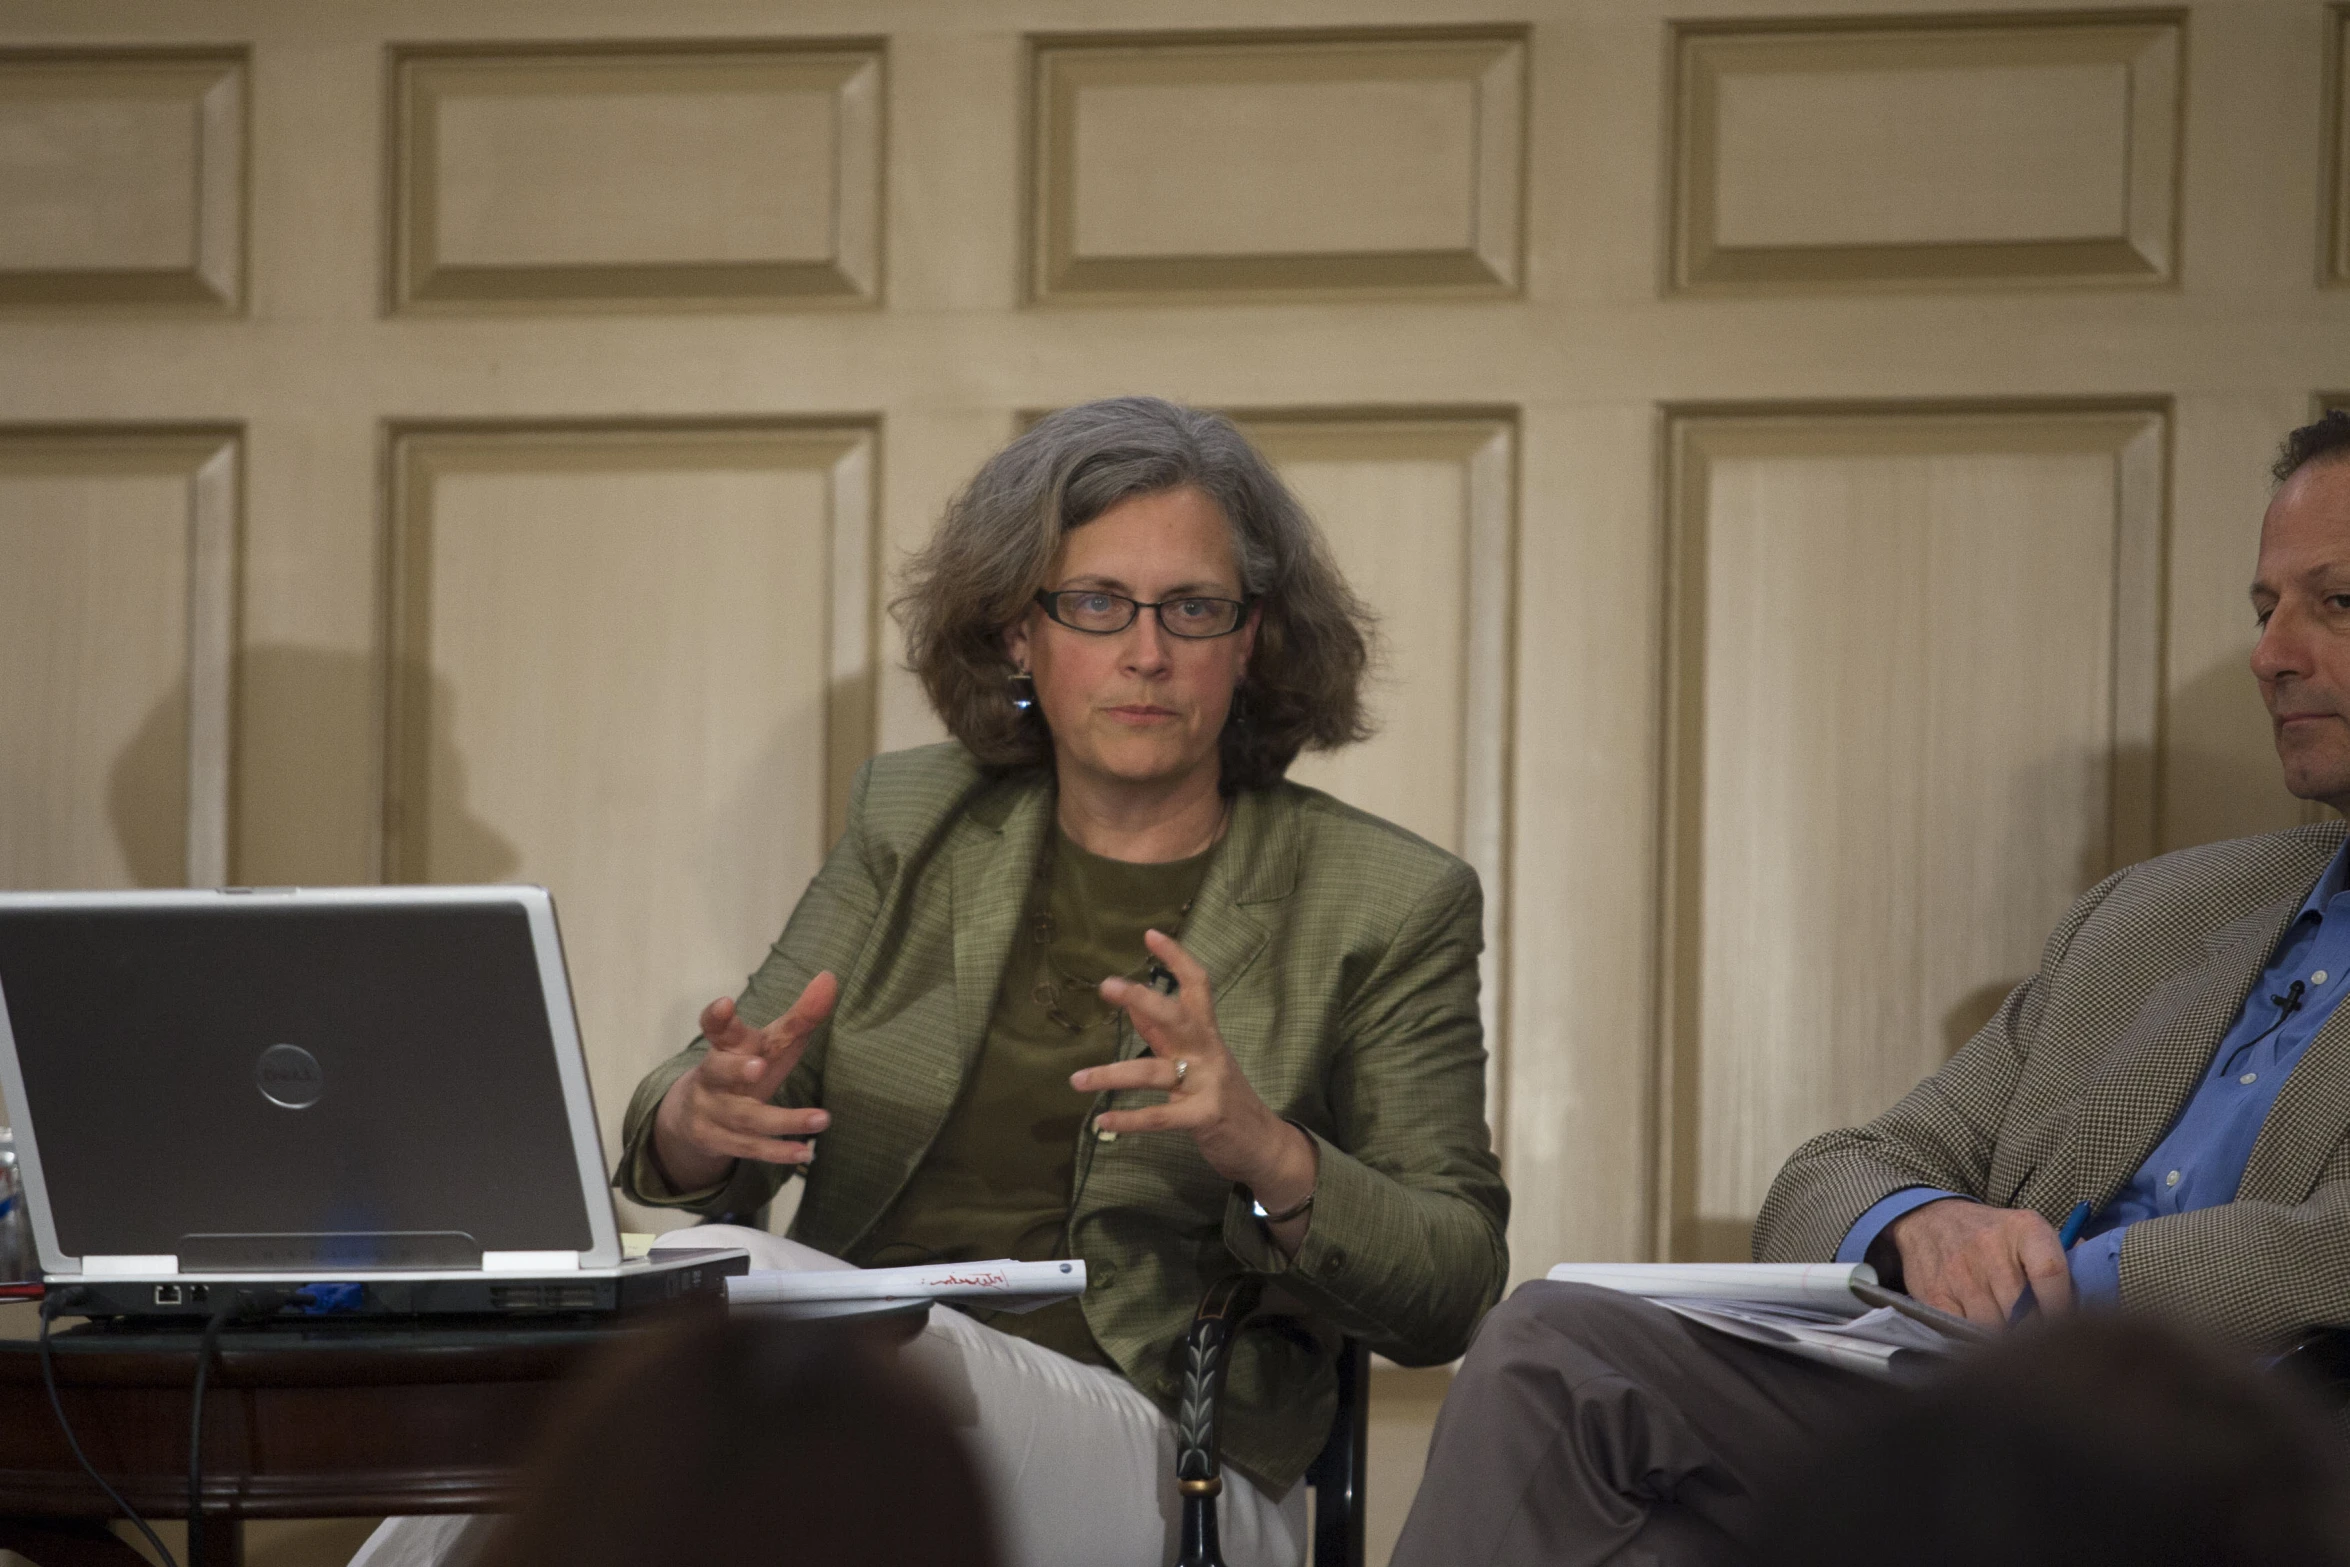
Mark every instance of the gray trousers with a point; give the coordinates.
(1588, 1426)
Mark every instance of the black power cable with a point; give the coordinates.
(205, 1347)
(50, 1305)
(234, 1303)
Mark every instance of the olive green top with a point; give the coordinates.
(1341, 953)
(997, 1182)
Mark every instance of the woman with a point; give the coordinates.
(1092, 980)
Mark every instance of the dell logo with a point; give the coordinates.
(288, 1075)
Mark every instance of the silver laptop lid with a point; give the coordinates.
(300, 1081)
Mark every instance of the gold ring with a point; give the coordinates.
(1182, 1071)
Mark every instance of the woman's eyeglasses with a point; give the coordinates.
(1104, 614)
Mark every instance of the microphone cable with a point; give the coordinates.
(2287, 1004)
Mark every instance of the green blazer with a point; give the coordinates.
(1343, 955)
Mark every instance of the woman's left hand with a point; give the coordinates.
(1208, 1095)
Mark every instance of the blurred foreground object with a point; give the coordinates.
(742, 1441)
(2094, 1440)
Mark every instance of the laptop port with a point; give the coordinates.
(167, 1294)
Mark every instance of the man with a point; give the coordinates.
(2177, 1066)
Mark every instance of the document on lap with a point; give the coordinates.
(1836, 1313)
(999, 1286)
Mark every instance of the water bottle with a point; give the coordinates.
(16, 1226)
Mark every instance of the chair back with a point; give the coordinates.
(1339, 1471)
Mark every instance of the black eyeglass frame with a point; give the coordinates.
(1047, 599)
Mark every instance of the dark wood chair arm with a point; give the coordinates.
(1198, 1476)
(1337, 1472)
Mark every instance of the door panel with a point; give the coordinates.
(1948, 149)
(117, 609)
(581, 695)
(1278, 165)
(663, 178)
(1902, 744)
(123, 176)
(1420, 514)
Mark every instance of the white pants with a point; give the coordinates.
(1079, 1466)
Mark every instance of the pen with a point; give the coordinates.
(2074, 1222)
(1918, 1311)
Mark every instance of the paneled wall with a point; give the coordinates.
(670, 177)
(1267, 165)
(1913, 713)
(1954, 149)
(2335, 265)
(124, 179)
(577, 695)
(118, 597)
(1806, 461)
(1431, 537)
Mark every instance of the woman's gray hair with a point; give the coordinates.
(995, 548)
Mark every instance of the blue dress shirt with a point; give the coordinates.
(2201, 1160)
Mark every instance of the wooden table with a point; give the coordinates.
(316, 1421)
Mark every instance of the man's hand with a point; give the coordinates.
(719, 1112)
(1975, 1260)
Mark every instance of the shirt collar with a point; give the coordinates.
(2331, 883)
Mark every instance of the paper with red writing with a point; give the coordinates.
(1002, 1285)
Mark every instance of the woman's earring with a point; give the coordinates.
(1023, 690)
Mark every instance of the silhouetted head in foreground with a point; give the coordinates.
(2095, 1440)
(741, 1441)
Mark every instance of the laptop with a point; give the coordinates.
(374, 1096)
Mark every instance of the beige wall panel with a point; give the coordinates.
(2334, 265)
(122, 177)
(1278, 164)
(1421, 512)
(709, 174)
(2041, 150)
(117, 602)
(634, 665)
(1914, 717)
(1583, 859)
(1403, 1413)
(2219, 766)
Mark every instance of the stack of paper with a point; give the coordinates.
(1003, 1285)
(1805, 1308)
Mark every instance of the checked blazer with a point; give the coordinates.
(2072, 1084)
(1342, 956)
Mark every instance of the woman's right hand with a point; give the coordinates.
(719, 1112)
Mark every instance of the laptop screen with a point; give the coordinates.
(264, 1082)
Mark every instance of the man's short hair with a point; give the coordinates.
(2325, 437)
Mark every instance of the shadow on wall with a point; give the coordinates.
(2219, 774)
(2216, 777)
(308, 692)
